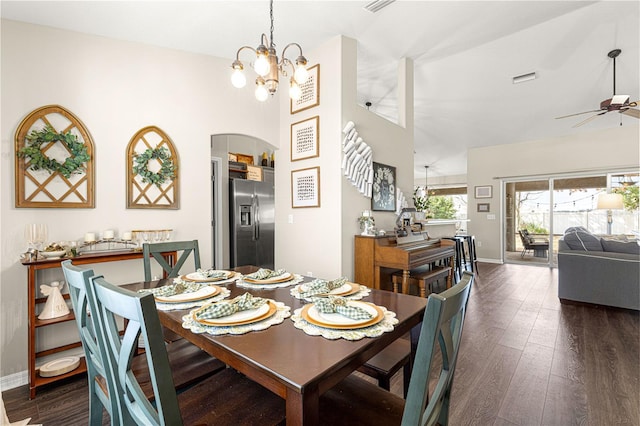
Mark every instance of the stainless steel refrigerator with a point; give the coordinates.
(252, 221)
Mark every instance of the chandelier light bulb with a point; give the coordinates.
(261, 65)
(294, 90)
(301, 74)
(262, 94)
(238, 78)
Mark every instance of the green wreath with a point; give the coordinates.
(74, 164)
(167, 168)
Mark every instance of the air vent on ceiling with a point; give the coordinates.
(377, 5)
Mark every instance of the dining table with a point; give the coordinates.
(292, 364)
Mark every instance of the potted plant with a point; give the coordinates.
(367, 223)
(421, 202)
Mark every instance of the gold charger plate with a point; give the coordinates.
(340, 322)
(204, 293)
(287, 276)
(239, 318)
(343, 290)
(193, 276)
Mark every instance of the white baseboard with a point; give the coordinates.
(496, 261)
(14, 380)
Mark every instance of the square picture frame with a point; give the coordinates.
(305, 139)
(305, 187)
(310, 96)
(484, 208)
(383, 195)
(484, 191)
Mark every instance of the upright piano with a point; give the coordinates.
(376, 257)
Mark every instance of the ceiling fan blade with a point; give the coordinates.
(578, 113)
(631, 112)
(588, 119)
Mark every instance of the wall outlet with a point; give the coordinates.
(478, 243)
(491, 217)
(310, 274)
(290, 218)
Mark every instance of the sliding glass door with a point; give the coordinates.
(539, 211)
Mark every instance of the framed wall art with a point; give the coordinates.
(305, 138)
(305, 187)
(310, 96)
(54, 162)
(484, 191)
(484, 208)
(383, 196)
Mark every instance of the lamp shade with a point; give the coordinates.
(610, 201)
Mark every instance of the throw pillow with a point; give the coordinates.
(581, 240)
(620, 246)
(576, 228)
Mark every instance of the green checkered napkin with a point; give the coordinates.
(339, 305)
(265, 274)
(173, 289)
(210, 273)
(226, 308)
(319, 286)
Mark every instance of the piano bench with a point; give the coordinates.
(386, 363)
(421, 278)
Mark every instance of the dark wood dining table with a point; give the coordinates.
(296, 366)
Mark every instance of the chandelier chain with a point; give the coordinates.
(271, 16)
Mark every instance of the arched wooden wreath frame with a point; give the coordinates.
(147, 195)
(54, 190)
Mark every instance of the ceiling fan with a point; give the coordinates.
(618, 103)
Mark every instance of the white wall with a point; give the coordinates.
(392, 144)
(115, 88)
(603, 150)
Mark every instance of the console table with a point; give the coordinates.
(35, 380)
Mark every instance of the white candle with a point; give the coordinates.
(89, 237)
(126, 236)
(108, 234)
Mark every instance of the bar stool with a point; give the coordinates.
(460, 258)
(471, 246)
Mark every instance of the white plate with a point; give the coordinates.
(343, 289)
(272, 280)
(341, 320)
(59, 366)
(204, 293)
(197, 276)
(243, 316)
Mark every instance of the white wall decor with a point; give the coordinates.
(357, 160)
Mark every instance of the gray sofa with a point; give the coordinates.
(602, 277)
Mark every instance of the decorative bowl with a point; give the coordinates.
(52, 254)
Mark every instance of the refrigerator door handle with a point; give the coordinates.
(256, 219)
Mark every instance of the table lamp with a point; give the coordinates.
(610, 202)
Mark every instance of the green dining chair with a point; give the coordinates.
(227, 397)
(357, 401)
(185, 374)
(77, 280)
(155, 250)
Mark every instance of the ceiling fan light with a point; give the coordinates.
(524, 77)
(620, 99)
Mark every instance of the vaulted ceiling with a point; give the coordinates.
(465, 55)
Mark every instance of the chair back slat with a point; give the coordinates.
(155, 251)
(441, 329)
(78, 282)
(142, 320)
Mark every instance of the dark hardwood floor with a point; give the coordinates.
(525, 360)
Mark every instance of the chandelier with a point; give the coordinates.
(268, 67)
